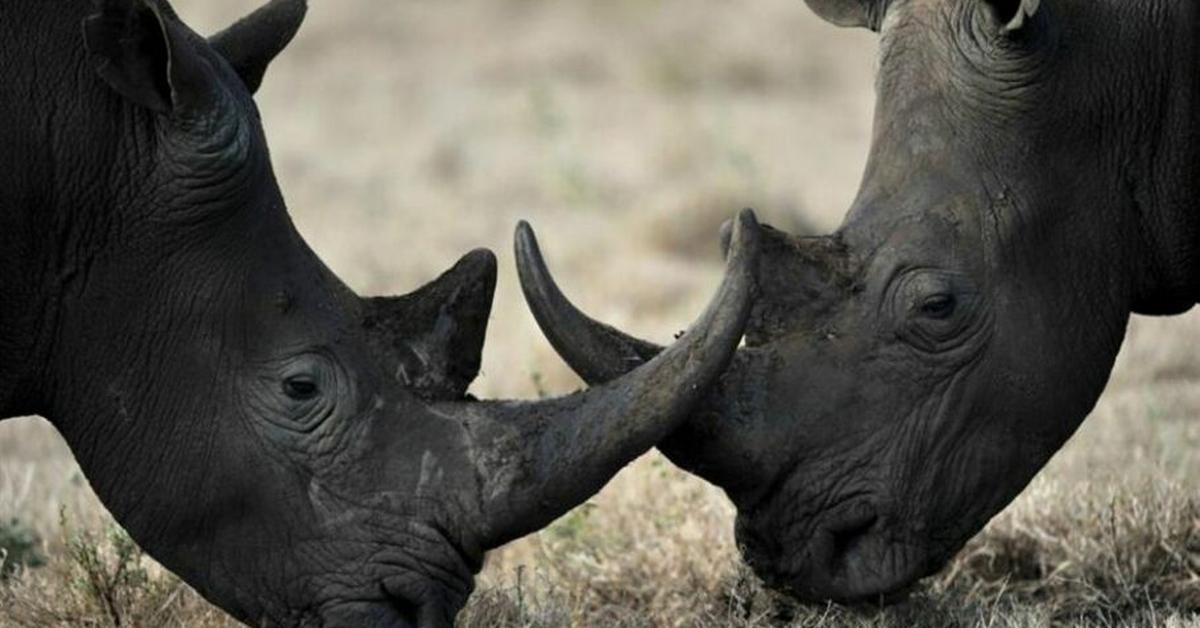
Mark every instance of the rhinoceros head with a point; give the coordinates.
(904, 378)
(301, 455)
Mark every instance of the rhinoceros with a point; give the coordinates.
(1032, 181)
(298, 454)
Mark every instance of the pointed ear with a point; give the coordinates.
(852, 13)
(253, 42)
(145, 54)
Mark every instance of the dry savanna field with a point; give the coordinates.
(407, 132)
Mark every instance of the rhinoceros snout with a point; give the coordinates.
(853, 553)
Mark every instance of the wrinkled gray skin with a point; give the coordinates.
(1032, 181)
(300, 455)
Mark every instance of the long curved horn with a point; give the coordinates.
(539, 459)
(596, 352)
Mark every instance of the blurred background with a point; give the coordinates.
(405, 133)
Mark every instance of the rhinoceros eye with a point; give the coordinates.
(936, 309)
(939, 306)
(298, 392)
(301, 387)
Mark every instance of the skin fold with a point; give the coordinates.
(299, 454)
(1031, 183)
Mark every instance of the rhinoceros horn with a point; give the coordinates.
(719, 442)
(433, 339)
(571, 446)
(599, 352)
(595, 351)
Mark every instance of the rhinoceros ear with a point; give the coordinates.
(1014, 14)
(253, 42)
(852, 13)
(432, 339)
(146, 55)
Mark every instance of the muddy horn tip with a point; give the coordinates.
(743, 229)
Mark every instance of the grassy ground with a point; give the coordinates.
(405, 133)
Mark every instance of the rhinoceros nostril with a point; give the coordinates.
(847, 540)
(852, 529)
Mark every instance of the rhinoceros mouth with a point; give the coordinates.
(381, 566)
(400, 597)
(383, 612)
(851, 553)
